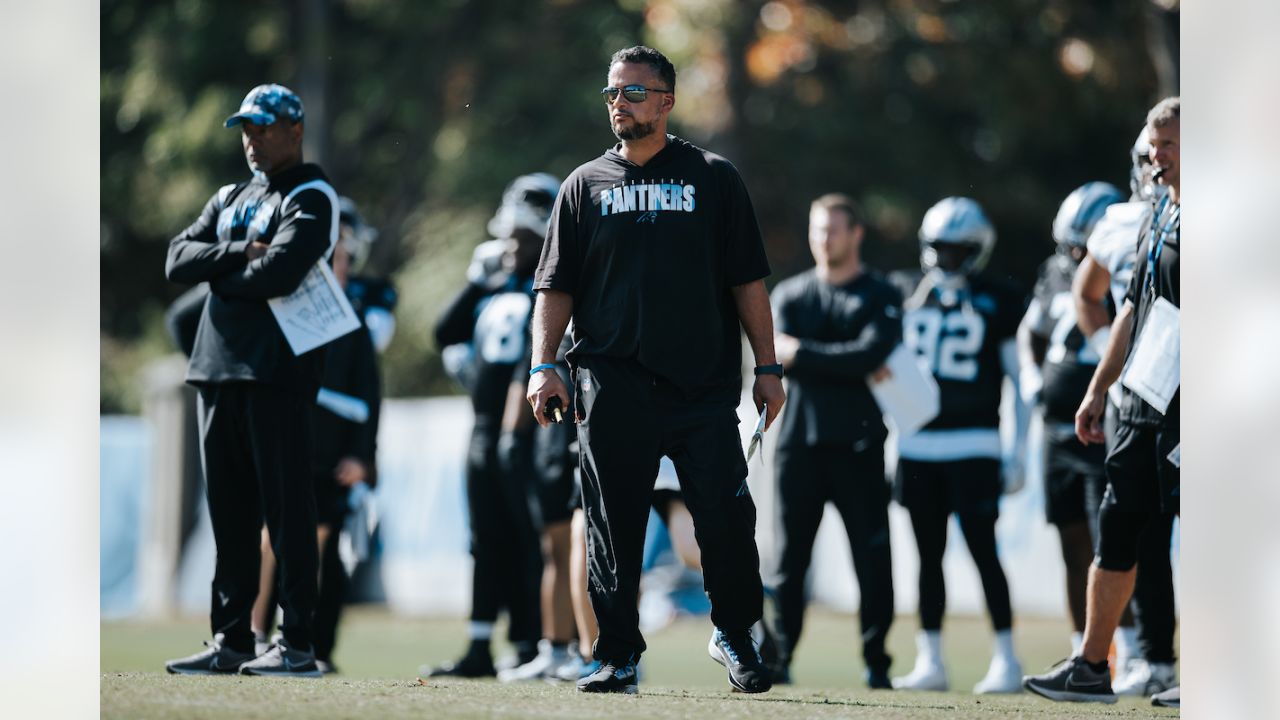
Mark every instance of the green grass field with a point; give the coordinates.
(379, 655)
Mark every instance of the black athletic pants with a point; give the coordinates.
(255, 442)
(504, 544)
(931, 491)
(630, 420)
(805, 480)
(333, 593)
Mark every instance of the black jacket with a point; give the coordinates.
(296, 213)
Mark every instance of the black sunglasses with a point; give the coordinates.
(633, 93)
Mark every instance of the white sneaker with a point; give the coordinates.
(1003, 676)
(1146, 679)
(928, 674)
(540, 667)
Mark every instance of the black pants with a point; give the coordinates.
(504, 544)
(333, 594)
(805, 480)
(631, 419)
(329, 603)
(931, 491)
(256, 450)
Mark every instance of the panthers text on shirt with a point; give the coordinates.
(647, 197)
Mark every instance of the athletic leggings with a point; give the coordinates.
(931, 491)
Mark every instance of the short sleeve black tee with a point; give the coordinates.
(1069, 362)
(1144, 288)
(650, 255)
(958, 333)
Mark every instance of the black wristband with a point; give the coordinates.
(769, 370)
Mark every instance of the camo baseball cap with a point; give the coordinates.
(267, 103)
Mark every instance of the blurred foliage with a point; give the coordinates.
(422, 112)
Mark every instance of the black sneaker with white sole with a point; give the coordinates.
(1073, 680)
(215, 659)
(282, 660)
(612, 677)
(475, 664)
(737, 652)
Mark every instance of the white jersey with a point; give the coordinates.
(1114, 243)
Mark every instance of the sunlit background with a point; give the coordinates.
(422, 112)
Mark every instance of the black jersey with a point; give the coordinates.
(1069, 362)
(846, 332)
(238, 339)
(650, 254)
(1144, 288)
(958, 333)
(496, 324)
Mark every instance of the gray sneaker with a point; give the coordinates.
(283, 661)
(216, 659)
(1072, 680)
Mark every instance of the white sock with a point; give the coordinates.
(480, 630)
(1126, 645)
(1004, 647)
(1077, 639)
(929, 645)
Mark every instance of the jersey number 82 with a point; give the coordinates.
(948, 341)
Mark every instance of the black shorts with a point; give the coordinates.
(960, 486)
(555, 463)
(1074, 479)
(1140, 477)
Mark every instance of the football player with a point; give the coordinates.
(962, 324)
(489, 319)
(1057, 363)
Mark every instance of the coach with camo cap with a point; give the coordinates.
(257, 240)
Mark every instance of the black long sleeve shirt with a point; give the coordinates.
(846, 332)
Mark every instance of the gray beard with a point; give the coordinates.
(637, 130)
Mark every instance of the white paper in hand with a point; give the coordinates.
(910, 395)
(316, 313)
(1153, 371)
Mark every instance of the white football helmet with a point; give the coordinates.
(526, 205)
(358, 237)
(955, 225)
(1081, 211)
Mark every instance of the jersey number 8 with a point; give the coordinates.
(949, 341)
(501, 327)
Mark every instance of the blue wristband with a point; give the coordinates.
(539, 368)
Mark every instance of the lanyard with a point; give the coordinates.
(1155, 244)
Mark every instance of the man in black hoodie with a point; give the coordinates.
(254, 241)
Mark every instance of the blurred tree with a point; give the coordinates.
(422, 112)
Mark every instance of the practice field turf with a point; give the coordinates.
(379, 655)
